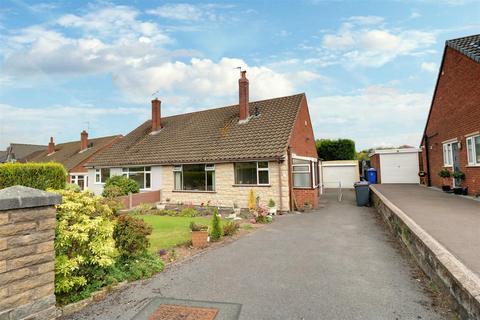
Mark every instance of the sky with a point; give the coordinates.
(368, 68)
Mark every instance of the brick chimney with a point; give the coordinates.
(51, 146)
(243, 95)
(156, 115)
(83, 140)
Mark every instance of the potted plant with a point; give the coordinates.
(445, 174)
(271, 207)
(460, 176)
(199, 235)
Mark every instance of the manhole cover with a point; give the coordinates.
(160, 308)
(173, 312)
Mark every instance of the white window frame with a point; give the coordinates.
(448, 153)
(126, 173)
(308, 165)
(74, 179)
(98, 175)
(267, 169)
(472, 158)
(208, 167)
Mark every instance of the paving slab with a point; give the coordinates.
(454, 221)
(334, 263)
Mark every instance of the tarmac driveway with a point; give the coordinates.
(335, 263)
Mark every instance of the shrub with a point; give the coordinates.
(198, 227)
(459, 175)
(188, 212)
(444, 173)
(142, 208)
(41, 176)
(114, 205)
(112, 191)
(262, 215)
(230, 228)
(217, 232)
(84, 244)
(130, 236)
(72, 187)
(252, 200)
(125, 184)
(341, 149)
(271, 203)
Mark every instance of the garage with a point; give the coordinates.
(341, 174)
(396, 165)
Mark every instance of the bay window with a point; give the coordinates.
(141, 175)
(302, 177)
(101, 175)
(194, 177)
(252, 173)
(473, 150)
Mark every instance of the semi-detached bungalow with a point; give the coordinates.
(218, 155)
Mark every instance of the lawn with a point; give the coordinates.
(168, 231)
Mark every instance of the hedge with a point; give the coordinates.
(43, 176)
(341, 149)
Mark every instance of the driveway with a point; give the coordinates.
(452, 220)
(335, 263)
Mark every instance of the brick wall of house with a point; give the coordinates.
(375, 163)
(302, 142)
(455, 113)
(227, 193)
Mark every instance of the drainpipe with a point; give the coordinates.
(280, 184)
(427, 157)
(290, 184)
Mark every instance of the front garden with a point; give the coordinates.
(99, 245)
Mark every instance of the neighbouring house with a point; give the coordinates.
(451, 137)
(19, 152)
(400, 165)
(218, 155)
(73, 155)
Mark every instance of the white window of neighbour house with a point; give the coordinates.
(447, 154)
(473, 150)
(101, 175)
(141, 175)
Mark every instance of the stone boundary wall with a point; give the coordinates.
(452, 277)
(27, 256)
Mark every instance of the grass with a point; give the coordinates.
(169, 231)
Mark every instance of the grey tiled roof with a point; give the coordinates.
(469, 46)
(213, 135)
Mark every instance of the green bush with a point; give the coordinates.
(112, 191)
(217, 231)
(84, 244)
(41, 176)
(341, 149)
(188, 212)
(444, 173)
(130, 236)
(230, 228)
(142, 208)
(125, 184)
(73, 187)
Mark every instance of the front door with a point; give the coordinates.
(456, 164)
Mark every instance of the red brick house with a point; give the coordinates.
(218, 155)
(451, 137)
(73, 155)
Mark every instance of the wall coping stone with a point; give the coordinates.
(19, 197)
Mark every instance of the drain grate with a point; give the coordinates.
(174, 312)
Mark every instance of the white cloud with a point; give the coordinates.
(429, 66)
(181, 11)
(374, 116)
(37, 124)
(365, 41)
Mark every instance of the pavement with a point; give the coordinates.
(338, 262)
(454, 221)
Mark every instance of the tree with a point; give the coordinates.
(340, 149)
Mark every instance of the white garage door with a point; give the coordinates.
(399, 168)
(346, 175)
